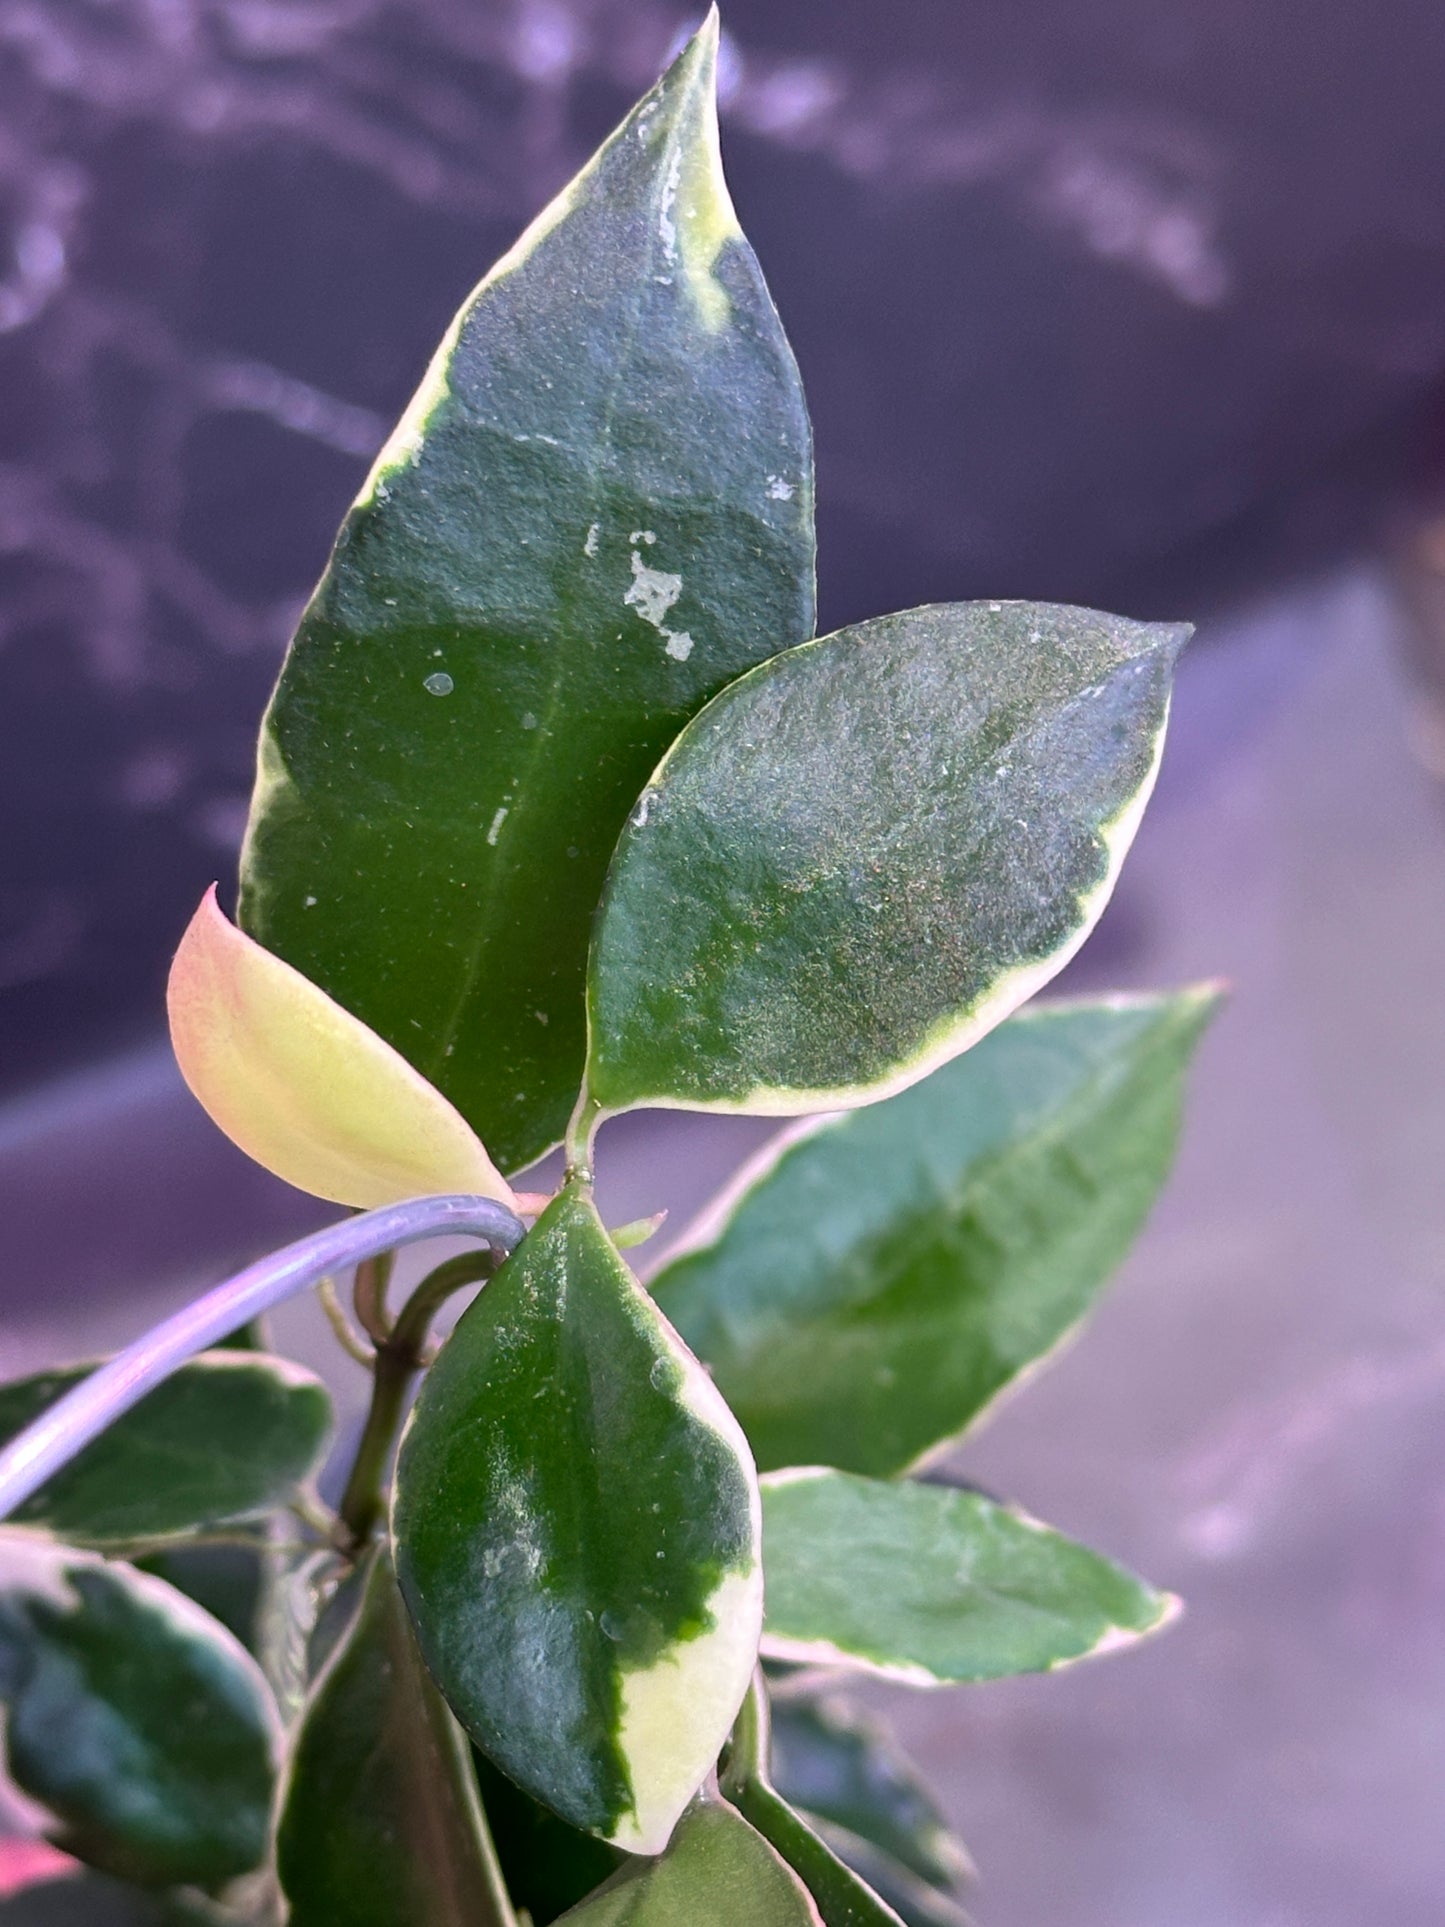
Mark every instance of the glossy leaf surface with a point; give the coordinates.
(596, 512)
(304, 1087)
(381, 1824)
(872, 1284)
(575, 1523)
(718, 1872)
(847, 1771)
(137, 1721)
(866, 853)
(935, 1585)
(228, 1436)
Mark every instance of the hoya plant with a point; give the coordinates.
(561, 812)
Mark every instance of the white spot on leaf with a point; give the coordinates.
(779, 490)
(439, 683)
(589, 547)
(666, 226)
(497, 821)
(653, 591)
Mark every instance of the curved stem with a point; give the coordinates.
(398, 1360)
(368, 1296)
(73, 1421)
(350, 1340)
(414, 1322)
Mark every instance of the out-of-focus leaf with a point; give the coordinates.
(228, 1436)
(595, 513)
(575, 1523)
(380, 1820)
(137, 1721)
(931, 1585)
(870, 1284)
(847, 1771)
(87, 1901)
(864, 854)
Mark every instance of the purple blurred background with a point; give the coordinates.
(1134, 302)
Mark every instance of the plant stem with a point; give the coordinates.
(578, 1143)
(746, 1760)
(360, 1505)
(399, 1357)
(350, 1340)
(368, 1295)
(84, 1413)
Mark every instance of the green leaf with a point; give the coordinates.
(380, 1821)
(872, 1283)
(718, 1872)
(142, 1725)
(916, 1902)
(548, 1866)
(846, 1771)
(841, 1897)
(575, 1521)
(931, 1585)
(596, 512)
(225, 1581)
(867, 852)
(228, 1436)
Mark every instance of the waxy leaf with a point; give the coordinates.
(934, 1585)
(381, 1824)
(596, 512)
(230, 1435)
(866, 853)
(871, 1283)
(847, 1772)
(144, 1727)
(718, 1872)
(575, 1523)
(302, 1086)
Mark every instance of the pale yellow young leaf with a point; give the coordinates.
(305, 1088)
